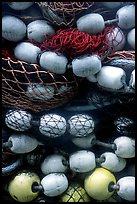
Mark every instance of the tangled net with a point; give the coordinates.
(124, 54)
(74, 43)
(46, 90)
(63, 13)
(112, 104)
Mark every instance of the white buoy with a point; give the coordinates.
(27, 52)
(126, 17)
(132, 79)
(54, 184)
(112, 162)
(125, 147)
(13, 28)
(82, 161)
(18, 120)
(37, 29)
(63, 89)
(110, 77)
(54, 163)
(126, 188)
(52, 125)
(20, 5)
(22, 143)
(40, 92)
(80, 125)
(111, 5)
(84, 142)
(86, 65)
(116, 39)
(53, 62)
(131, 38)
(92, 23)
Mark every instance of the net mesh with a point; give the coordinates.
(17, 76)
(74, 43)
(124, 54)
(63, 13)
(80, 125)
(18, 120)
(75, 193)
(124, 125)
(52, 125)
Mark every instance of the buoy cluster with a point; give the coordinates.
(82, 147)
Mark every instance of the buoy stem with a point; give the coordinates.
(36, 188)
(115, 187)
(7, 144)
(100, 160)
(109, 22)
(103, 144)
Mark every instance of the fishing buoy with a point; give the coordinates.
(116, 39)
(124, 125)
(113, 81)
(126, 17)
(20, 187)
(82, 161)
(111, 5)
(37, 30)
(27, 52)
(91, 23)
(125, 147)
(75, 193)
(131, 38)
(86, 65)
(52, 125)
(20, 5)
(84, 142)
(132, 79)
(53, 62)
(40, 92)
(13, 28)
(18, 120)
(126, 188)
(54, 184)
(97, 184)
(54, 164)
(112, 162)
(21, 144)
(80, 125)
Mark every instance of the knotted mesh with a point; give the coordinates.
(74, 43)
(80, 125)
(63, 13)
(27, 86)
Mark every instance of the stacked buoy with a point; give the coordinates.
(68, 107)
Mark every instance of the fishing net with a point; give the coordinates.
(73, 42)
(27, 86)
(124, 54)
(111, 103)
(63, 13)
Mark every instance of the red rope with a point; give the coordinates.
(6, 53)
(73, 42)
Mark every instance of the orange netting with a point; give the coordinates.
(124, 54)
(46, 90)
(63, 13)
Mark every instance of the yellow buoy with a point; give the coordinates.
(75, 193)
(20, 187)
(97, 184)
